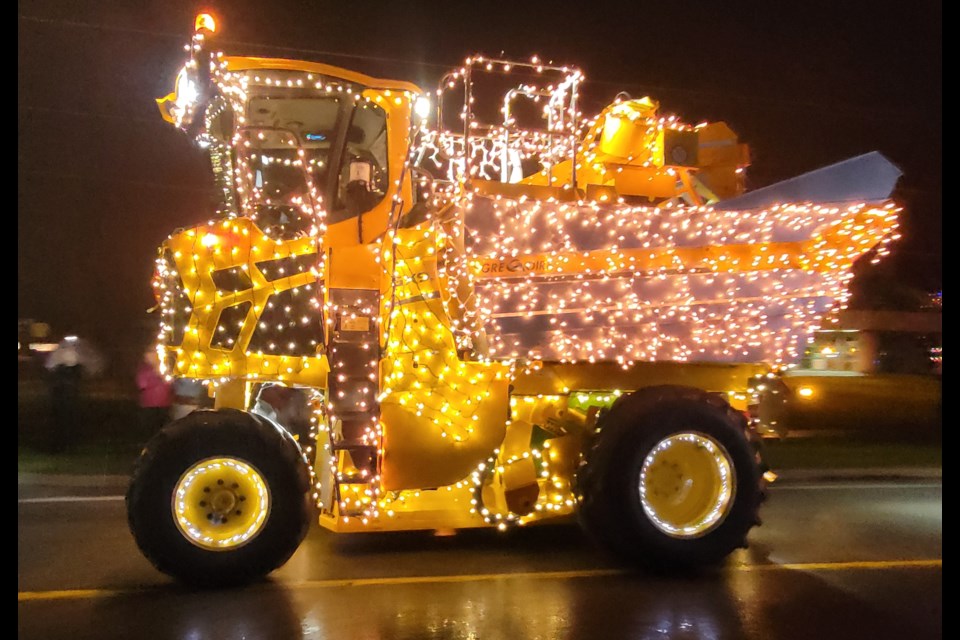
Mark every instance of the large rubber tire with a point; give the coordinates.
(608, 483)
(209, 434)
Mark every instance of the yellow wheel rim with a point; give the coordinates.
(687, 484)
(221, 503)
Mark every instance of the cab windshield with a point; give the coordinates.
(286, 146)
(301, 156)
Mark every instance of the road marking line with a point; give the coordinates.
(839, 485)
(845, 566)
(71, 594)
(55, 499)
(869, 565)
(476, 577)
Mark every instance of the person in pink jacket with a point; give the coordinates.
(155, 393)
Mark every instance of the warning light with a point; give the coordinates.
(205, 22)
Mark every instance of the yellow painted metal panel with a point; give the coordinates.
(244, 63)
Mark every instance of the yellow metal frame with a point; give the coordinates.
(236, 243)
(247, 63)
(435, 406)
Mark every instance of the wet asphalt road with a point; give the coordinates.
(854, 560)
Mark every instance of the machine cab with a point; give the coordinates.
(315, 149)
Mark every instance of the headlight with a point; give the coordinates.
(422, 107)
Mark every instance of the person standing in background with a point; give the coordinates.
(155, 394)
(65, 372)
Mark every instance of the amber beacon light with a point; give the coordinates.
(205, 22)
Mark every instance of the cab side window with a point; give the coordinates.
(364, 175)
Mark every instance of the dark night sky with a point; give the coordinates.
(102, 179)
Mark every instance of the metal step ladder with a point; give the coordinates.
(352, 387)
